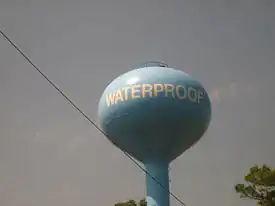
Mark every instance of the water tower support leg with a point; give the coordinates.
(157, 195)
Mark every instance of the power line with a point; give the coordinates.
(81, 112)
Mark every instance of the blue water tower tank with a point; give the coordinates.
(155, 113)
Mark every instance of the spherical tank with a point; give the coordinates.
(154, 112)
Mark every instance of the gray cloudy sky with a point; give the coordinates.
(50, 155)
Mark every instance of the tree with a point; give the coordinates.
(260, 186)
(132, 203)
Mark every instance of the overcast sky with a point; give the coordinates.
(51, 156)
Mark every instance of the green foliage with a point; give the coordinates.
(132, 203)
(260, 186)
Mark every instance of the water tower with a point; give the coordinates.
(155, 113)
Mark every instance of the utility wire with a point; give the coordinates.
(82, 113)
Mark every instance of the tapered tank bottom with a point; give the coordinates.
(158, 186)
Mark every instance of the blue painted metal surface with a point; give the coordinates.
(154, 127)
(157, 191)
(155, 113)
